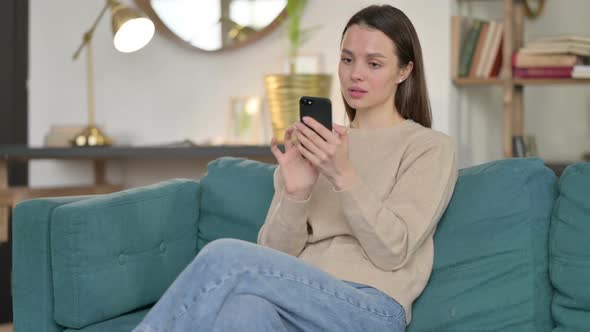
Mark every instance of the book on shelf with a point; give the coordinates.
(553, 57)
(468, 46)
(557, 49)
(524, 146)
(518, 147)
(565, 39)
(545, 60)
(543, 72)
(574, 45)
(477, 52)
(459, 28)
(581, 71)
(60, 136)
(476, 47)
(551, 70)
(185, 143)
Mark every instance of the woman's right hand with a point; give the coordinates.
(299, 175)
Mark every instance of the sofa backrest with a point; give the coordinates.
(235, 197)
(569, 250)
(491, 266)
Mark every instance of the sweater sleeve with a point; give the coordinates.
(390, 230)
(285, 227)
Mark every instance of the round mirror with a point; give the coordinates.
(214, 25)
(533, 8)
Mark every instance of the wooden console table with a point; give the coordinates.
(10, 196)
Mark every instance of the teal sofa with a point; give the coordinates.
(512, 249)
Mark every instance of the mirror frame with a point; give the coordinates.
(534, 11)
(162, 28)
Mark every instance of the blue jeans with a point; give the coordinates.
(234, 285)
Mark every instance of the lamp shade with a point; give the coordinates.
(131, 30)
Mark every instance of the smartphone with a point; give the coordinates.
(318, 108)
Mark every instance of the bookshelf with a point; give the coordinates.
(513, 100)
(466, 81)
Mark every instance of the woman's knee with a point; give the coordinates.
(226, 251)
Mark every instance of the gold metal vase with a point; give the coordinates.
(283, 92)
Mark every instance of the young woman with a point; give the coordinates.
(347, 244)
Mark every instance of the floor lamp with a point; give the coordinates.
(131, 32)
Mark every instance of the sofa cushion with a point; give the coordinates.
(236, 195)
(491, 267)
(114, 253)
(569, 250)
(124, 323)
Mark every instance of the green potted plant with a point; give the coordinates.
(284, 90)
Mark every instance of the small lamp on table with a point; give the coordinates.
(131, 32)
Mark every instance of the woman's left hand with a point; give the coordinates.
(327, 150)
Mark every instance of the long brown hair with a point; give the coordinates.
(411, 99)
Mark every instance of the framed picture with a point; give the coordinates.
(245, 123)
(306, 64)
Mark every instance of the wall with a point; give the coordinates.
(167, 93)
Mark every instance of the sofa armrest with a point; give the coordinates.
(110, 254)
(32, 290)
(118, 252)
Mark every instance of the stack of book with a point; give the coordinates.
(59, 136)
(476, 47)
(553, 57)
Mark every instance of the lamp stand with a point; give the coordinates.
(91, 135)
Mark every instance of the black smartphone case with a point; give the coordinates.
(317, 108)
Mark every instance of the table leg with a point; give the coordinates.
(4, 208)
(99, 172)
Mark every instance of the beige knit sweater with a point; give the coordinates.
(379, 232)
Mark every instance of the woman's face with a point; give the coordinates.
(369, 68)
